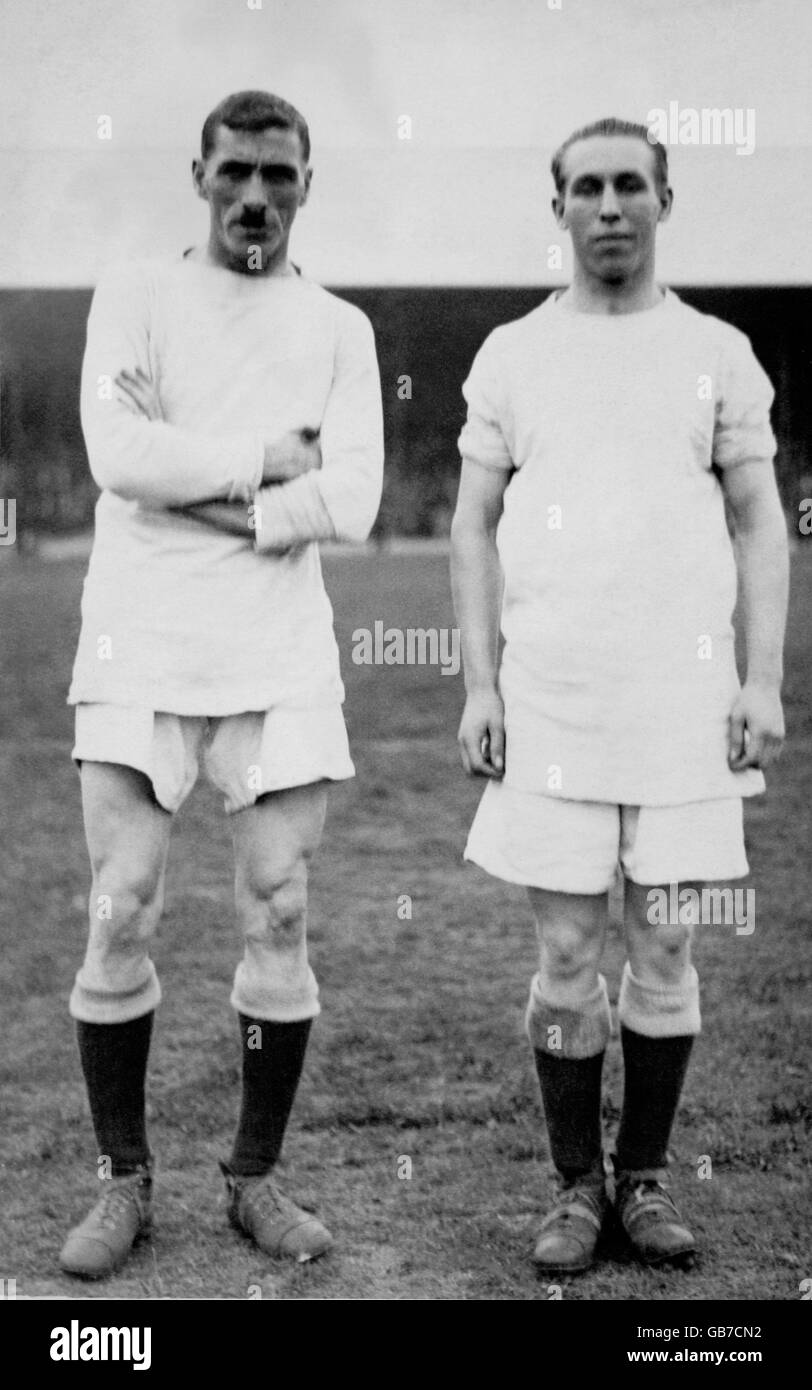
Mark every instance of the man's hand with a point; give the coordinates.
(482, 735)
(295, 453)
(756, 730)
(142, 392)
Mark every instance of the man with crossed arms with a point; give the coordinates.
(246, 427)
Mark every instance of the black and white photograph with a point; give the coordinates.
(406, 664)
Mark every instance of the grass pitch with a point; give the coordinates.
(419, 1054)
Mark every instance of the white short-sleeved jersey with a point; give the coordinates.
(618, 671)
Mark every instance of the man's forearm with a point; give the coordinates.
(241, 520)
(763, 567)
(286, 458)
(338, 502)
(152, 462)
(476, 582)
(233, 517)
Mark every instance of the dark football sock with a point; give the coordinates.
(272, 1060)
(571, 1093)
(114, 1062)
(654, 1072)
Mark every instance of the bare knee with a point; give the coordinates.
(659, 950)
(568, 952)
(661, 954)
(128, 899)
(565, 952)
(571, 931)
(272, 906)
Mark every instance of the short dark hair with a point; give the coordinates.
(254, 111)
(612, 126)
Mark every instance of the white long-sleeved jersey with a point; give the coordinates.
(176, 615)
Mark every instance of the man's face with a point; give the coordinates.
(254, 183)
(611, 206)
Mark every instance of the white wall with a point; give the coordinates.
(491, 86)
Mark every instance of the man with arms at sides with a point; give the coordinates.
(605, 432)
(244, 427)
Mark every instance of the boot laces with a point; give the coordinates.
(653, 1193)
(575, 1194)
(115, 1203)
(266, 1198)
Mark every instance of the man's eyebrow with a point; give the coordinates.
(603, 177)
(233, 166)
(587, 178)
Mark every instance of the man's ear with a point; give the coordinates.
(666, 204)
(558, 212)
(306, 193)
(198, 177)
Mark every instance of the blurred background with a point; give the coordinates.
(433, 126)
(439, 237)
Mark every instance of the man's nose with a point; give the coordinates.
(254, 196)
(610, 206)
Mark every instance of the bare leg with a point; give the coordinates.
(568, 1024)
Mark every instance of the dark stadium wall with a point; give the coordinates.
(426, 339)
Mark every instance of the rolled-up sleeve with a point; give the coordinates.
(482, 438)
(150, 461)
(340, 500)
(742, 432)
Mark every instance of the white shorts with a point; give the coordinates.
(575, 846)
(244, 755)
